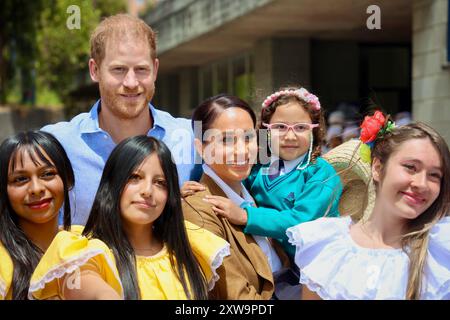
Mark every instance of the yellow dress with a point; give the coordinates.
(6, 274)
(7, 268)
(157, 280)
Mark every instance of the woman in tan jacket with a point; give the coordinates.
(228, 147)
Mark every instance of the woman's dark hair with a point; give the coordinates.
(105, 221)
(211, 108)
(316, 117)
(24, 254)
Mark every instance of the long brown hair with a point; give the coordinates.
(315, 115)
(416, 239)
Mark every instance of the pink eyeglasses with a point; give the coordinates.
(283, 128)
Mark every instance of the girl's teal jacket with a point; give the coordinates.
(296, 197)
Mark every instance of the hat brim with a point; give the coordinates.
(358, 195)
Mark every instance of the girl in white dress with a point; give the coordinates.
(400, 251)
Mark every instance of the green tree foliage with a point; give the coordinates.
(36, 44)
(64, 52)
(19, 20)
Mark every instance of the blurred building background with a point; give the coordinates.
(252, 47)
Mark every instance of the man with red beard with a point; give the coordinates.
(123, 62)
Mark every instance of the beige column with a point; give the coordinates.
(431, 72)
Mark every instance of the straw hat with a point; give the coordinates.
(358, 195)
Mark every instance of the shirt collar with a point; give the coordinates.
(289, 165)
(91, 124)
(230, 193)
(158, 122)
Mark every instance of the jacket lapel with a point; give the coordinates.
(247, 243)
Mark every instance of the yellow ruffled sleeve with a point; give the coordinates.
(209, 249)
(67, 253)
(6, 273)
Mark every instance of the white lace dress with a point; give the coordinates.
(335, 267)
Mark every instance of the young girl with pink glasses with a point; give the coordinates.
(296, 185)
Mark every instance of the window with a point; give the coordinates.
(233, 75)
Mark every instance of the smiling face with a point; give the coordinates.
(411, 179)
(145, 195)
(35, 190)
(233, 146)
(126, 77)
(290, 146)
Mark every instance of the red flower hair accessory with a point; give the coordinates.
(373, 127)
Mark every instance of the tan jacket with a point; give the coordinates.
(245, 274)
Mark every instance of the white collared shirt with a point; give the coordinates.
(289, 165)
(263, 242)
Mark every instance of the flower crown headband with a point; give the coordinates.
(372, 128)
(301, 93)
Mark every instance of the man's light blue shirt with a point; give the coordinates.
(88, 147)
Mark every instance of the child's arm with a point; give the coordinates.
(311, 204)
(319, 197)
(315, 200)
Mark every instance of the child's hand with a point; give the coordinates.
(226, 208)
(191, 187)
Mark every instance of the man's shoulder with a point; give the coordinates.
(171, 120)
(66, 128)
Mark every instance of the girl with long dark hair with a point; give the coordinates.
(136, 244)
(35, 179)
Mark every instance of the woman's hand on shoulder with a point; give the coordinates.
(226, 208)
(191, 187)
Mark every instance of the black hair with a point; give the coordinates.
(105, 221)
(24, 254)
(212, 107)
